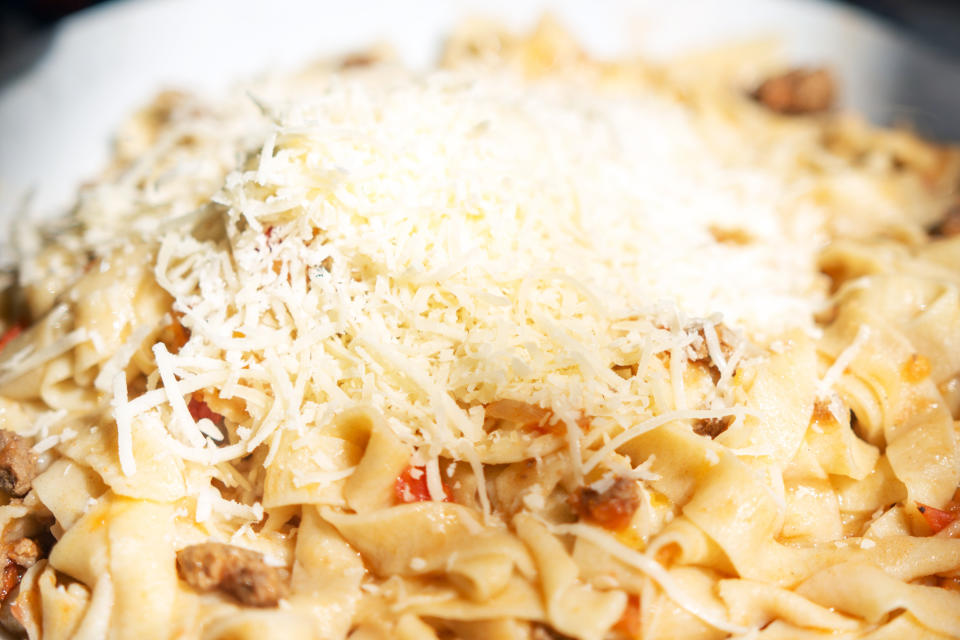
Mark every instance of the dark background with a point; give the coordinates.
(25, 25)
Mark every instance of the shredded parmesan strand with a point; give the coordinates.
(121, 358)
(434, 481)
(121, 415)
(843, 361)
(651, 424)
(17, 365)
(186, 426)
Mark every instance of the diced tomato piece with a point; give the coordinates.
(10, 335)
(411, 486)
(408, 488)
(629, 622)
(938, 519)
(200, 409)
(179, 333)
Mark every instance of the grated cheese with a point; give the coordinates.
(122, 417)
(209, 501)
(46, 421)
(434, 482)
(443, 240)
(186, 426)
(27, 359)
(843, 361)
(46, 444)
(121, 358)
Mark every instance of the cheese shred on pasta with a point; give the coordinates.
(527, 346)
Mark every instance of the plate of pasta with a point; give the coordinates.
(524, 338)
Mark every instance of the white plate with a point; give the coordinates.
(55, 122)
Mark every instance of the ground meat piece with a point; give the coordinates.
(24, 552)
(949, 225)
(18, 464)
(712, 426)
(355, 60)
(796, 92)
(612, 508)
(239, 573)
(19, 556)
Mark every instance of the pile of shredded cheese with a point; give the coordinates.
(429, 242)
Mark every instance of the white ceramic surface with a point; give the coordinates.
(56, 120)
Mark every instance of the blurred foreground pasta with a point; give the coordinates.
(527, 346)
